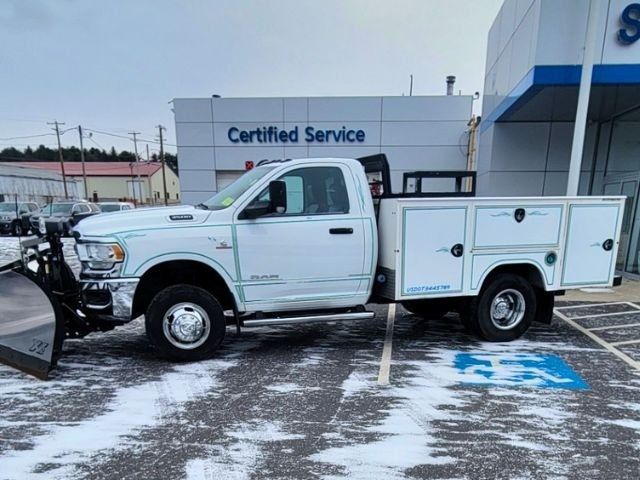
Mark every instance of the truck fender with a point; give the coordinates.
(197, 258)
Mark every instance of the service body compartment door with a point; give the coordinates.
(513, 226)
(591, 245)
(432, 250)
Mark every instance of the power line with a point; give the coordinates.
(102, 132)
(26, 136)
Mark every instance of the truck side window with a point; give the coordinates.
(313, 191)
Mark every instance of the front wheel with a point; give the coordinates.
(185, 323)
(505, 308)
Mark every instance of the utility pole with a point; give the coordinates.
(64, 177)
(411, 85)
(164, 175)
(84, 172)
(148, 159)
(135, 148)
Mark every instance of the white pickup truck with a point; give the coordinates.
(304, 240)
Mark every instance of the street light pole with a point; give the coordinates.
(84, 172)
(64, 177)
(164, 175)
(135, 148)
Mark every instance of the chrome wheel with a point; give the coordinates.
(507, 309)
(186, 326)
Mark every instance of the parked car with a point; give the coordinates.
(69, 211)
(11, 222)
(106, 207)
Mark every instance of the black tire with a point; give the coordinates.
(16, 229)
(498, 329)
(201, 302)
(427, 309)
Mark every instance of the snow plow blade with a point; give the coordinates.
(31, 330)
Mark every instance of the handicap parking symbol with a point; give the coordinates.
(517, 370)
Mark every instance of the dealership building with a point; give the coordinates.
(219, 137)
(530, 98)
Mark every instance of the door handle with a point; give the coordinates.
(457, 250)
(341, 231)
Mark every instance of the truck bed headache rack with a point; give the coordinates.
(458, 175)
(378, 174)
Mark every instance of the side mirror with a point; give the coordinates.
(278, 196)
(255, 210)
(277, 202)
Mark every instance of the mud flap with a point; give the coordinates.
(544, 310)
(31, 324)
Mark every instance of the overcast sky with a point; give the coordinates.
(114, 65)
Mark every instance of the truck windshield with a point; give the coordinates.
(7, 207)
(232, 192)
(53, 208)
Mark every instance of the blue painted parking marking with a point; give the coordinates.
(517, 370)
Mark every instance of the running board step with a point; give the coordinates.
(260, 322)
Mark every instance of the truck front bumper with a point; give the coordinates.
(109, 298)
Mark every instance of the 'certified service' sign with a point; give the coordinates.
(310, 134)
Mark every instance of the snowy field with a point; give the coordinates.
(305, 402)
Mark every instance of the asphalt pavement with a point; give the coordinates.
(387, 398)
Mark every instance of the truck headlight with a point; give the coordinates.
(42, 226)
(100, 256)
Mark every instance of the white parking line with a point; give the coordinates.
(611, 327)
(625, 342)
(597, 315)
(622, 356)
(570, 307)
(385, 362)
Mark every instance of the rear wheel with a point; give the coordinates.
(185, 323)
(16, 229)
(504, 309)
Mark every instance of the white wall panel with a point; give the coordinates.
(424, 133)
(296, 152)
(247, 109)
(517, 184)
(427, 158)
(295, 109)
(233, 158)
(192, 109)
(344, 109)
(197, 180)
(342, 152)
(436, 108)
(196, 158)
(194, 134)
(193, 198)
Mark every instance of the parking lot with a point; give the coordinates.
(392, 397)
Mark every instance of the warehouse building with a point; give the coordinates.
(109, 181)
(32, 184)
(219, 137)
(534, 56)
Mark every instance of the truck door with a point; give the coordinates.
(313, 251)
(591, 245)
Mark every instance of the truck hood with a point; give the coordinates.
(107, 224)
